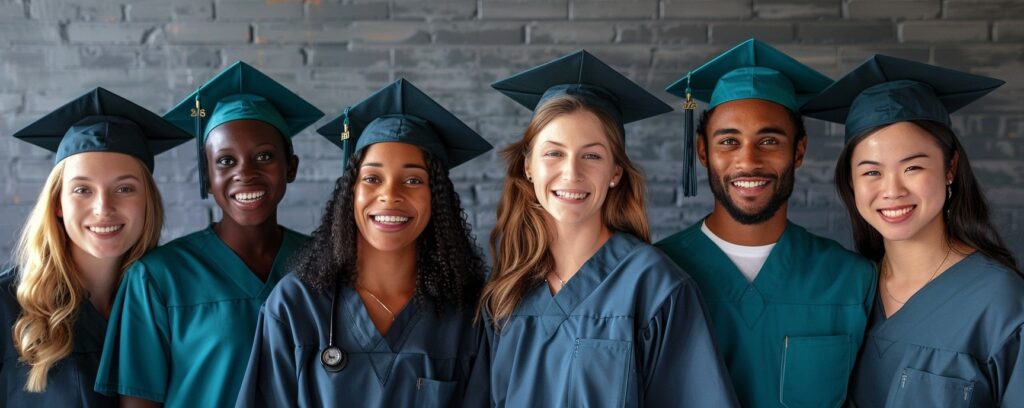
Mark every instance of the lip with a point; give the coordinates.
(248, 205)
(105, 234)
(760, 185)
(567, 200)
(897, 219)
(389, 227)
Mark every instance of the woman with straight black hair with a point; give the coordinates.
(947, 322)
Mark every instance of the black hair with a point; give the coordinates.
(965, 213)
(800, 131)
(450, 267)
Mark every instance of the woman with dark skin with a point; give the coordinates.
(378, 311)
(186, 312)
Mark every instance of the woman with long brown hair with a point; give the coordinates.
(947, 322)
(580, 309)
(98, 212)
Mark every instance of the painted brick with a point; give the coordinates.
(436, 58)
(83, 10)
(616, 10)
(531, 10)
(316, 11)
(249, 10)
(978, 55)
(707, 9)
(434, 10)
(985, 9)
(372, 32)
(97, 33)
(663, 33)
(1009, 31)
(108, 57)
(518, 58)
(796, 9)
(16, 32)
(834, 32)
(733, 33)
(573, 33)
(944, 31)
(207, 33)
(483, 34)
(303, 33)
(888, 9)
(342, 57)
(852, 55)
(12, 12)
(441, 80)
(261, 56)
(166, 11)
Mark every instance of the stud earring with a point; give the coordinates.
(949, 189)
(612, 184)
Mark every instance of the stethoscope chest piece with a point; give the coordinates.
(333, 358)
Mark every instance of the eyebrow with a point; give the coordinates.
(231, 148)
(123, 177)
(404, 166)
(904, 160)
(762, 131)
(583, 147)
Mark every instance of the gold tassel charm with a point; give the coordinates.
(198, 111)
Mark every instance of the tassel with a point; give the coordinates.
(199, 113)
(346, 144)
(689, 145)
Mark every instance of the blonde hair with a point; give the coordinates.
(49, 288)
(520, 241)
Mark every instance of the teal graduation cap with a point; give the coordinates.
(583, 75)
(402, 113)
(236, 93)
(751, 70)
(884, 90)
(102, 121)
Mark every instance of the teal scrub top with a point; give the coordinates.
(790, 337)
(182, 324)
(955, 343)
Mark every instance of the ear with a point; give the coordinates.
(617, 175)
(526, 167)
(702, 151)
(801, 149)
(293, 167)
(953, 164)
(60, 210)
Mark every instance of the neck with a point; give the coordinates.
(915, 258)
(246, 240)
(387, 274)
(730, 230)
(99, 277)
(573, 245)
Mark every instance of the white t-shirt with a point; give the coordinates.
(748, 259)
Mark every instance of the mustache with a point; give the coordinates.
(735, 176)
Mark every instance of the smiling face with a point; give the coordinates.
(571, 165)
(899, 181)
(751, 154)
(103, 203)
(249, 170)
(392, 196)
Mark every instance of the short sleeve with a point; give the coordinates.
(270, 378)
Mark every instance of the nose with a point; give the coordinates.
(892, 186)
(245, 171)
(390, 192)
(747, 158)
(571, 169)
(103, 206)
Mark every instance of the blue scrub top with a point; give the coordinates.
(791, 336)
(627, 330)
(423, 361)
(69, 382)
(955, 343)
(183, 321)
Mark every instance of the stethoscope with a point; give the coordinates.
(332, 357)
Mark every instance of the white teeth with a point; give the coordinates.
(571, 196)
(896, 213)
(250, 197)
(390, 219)
(749, 184)
(106, 230)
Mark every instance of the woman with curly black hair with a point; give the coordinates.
(378, 310)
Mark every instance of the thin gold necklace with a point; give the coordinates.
(888, 268)
(393, 316)
(560, 281)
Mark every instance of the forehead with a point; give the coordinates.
(750, 114)
(394, 153)
(896, 142)
(244, 133)
(101, 165)
(579, 128)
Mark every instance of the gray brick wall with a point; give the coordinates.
(336, 52)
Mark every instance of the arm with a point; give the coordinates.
(131, 402)
(478, 386)
(1007, 371)
(680, 363)
(270, 378)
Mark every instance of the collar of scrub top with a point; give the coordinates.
(751, 70)
(884, 90)
(102, 121)
(402, 113)
(236, 93)
(583, 75)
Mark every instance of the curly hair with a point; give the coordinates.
(450, 267)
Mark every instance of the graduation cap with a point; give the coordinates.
(885, 90)
(402, 113)
(101, 121)
(583, 75)
(750, 70)
(240, 92)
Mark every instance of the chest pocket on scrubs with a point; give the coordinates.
(433, 393)
(600, 369)
(815, 371)
(919, 389)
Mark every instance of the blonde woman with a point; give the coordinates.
(580, 309)
(98, 212)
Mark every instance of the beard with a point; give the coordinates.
(783, 189)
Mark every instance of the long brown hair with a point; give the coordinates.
(49, 287)
(520, 241)
(965, 213)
